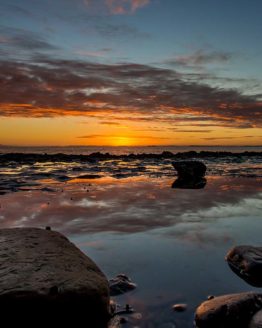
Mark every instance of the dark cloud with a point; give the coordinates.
(23, 39)
(109, 123)
(51, 87)
(113, 30)
(227, 137)
(199, 58)
(192, 131)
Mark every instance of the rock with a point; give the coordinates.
(210, 297)
(228, 311)
(179, 307)
(120, 284)
(44, 276)
(190, 175)
(115, 322)
(189, 170)
(246, 262)
(256, 321)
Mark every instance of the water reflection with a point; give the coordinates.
(131, 205)
(171, 242)
(189, 184)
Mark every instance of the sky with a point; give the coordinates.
(130, 72)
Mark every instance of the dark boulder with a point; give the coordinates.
(246, 262)
(228, 311)
(190, 175)
(188, 170)
(45, 276)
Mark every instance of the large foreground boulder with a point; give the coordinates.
(43, 275)
(228, 311)
(246, 262)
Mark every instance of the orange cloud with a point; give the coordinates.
(125, 6)
(106, 92)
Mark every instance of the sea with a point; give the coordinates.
(129, 217)
(122, 150)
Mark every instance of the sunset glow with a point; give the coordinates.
(116, 81)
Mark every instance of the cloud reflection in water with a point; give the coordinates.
(132, 205)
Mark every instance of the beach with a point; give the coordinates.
(170, 241)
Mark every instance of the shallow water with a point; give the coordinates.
(171, 242)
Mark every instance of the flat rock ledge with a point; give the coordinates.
(44, 276)
(228, 311)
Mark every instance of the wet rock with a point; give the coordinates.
(246, 262)
(190, 169)
(115, 322)
(256, 321)
(190, 175)
(45, 276)
(228, 311)
(179, 307)
(120, 284)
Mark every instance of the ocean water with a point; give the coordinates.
(126, 216)
(122, 150)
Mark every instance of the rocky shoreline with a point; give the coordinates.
(28, 158)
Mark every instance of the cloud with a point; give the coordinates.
(98, 53)
(119, 7)
(125, 6)
(109, 123)
(23, 39)
(92, 136)
(230, 137)
(50, 87)
(199, 58)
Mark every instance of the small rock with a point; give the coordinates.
(179, 307)
(210, 297)
(120, 284)
(123, 320)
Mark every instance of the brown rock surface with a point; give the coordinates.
(228, 311)
(43, 274)
(246, 262)
(256, 321)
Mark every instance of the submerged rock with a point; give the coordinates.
(246, 262)
(181, 307)
(228, 311)
(120, 284)
(45, 276)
